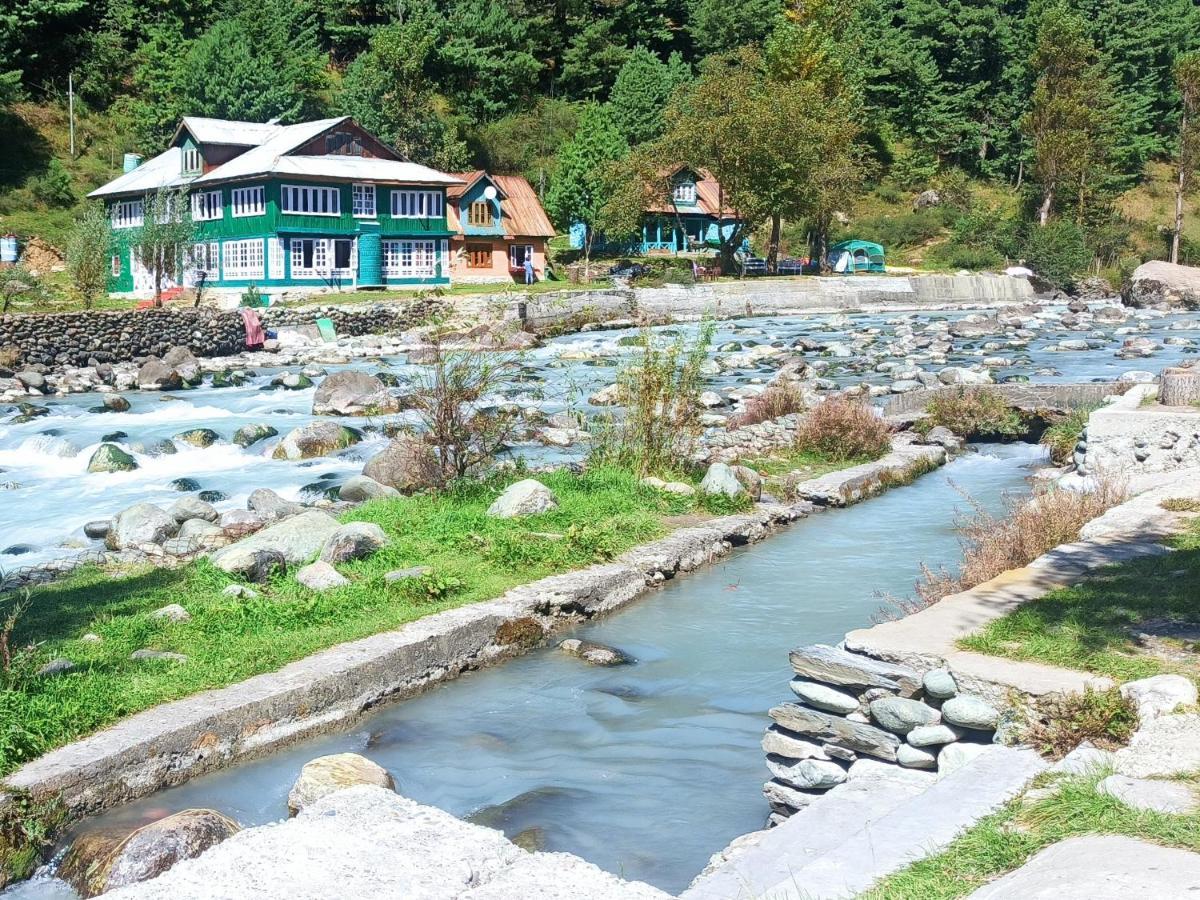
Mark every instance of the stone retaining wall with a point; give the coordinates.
(1024, 396)
(766, 296)
(1130, 438)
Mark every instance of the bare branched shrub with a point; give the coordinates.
(780, 399)
(841, 429)
(661, 393)
(1026, 528)
(455, 396)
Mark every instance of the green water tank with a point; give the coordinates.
(370, 255)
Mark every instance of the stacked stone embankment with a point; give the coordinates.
(853, 709)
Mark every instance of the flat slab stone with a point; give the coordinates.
(865, 739)
(831, 665)
(1100, 867)
(1146, 793)
(1168, 745)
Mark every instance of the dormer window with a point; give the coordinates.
(480, 213)
(685, 192)
(193, 162)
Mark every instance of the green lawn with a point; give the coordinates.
(473, 558)
(1006, 840)
(803, 463)
(1092, 626)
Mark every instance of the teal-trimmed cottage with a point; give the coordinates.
(321, 205)
(693, 220)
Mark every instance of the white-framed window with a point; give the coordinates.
(410, 259)
(207, 206)
(206, 257)
(685, 192)
(242, 259)
(116, 266)
(193, 162)
(416, 204)
(127, 214)
(364, 201)
(275, 257)
(518, 253)
(311, 201)
(248, 201)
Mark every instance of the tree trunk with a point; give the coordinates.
(1044, 210)
(773, 247)
(1179, 387)
(587, 255)
(1180, 184)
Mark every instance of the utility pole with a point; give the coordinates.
(71, 108)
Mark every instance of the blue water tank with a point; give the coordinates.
(370, 255)
(132, 161)
(8, 249)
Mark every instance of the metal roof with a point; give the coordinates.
(158, 172)
(360, 167)
(228, 131)
(261, 160)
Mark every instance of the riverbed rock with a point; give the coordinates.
(327, 774)
(198, 437)
(831, 665)
(316, 439)
(200, 533)
(98, 529)
(297, 540)
(967, 711)
(321, 576)
(142, 523)
(595, 653)
(407, 464)
(354, 540)
(806, 774)
(900, 715)
(939, 684)
(859, 737)
(350, 393)
(360, 488)
(193, 508)
(528, 497)
(111, 458)
(1163, 284)
(721, 479)
(780, 742)
(156, 375)
(248, 435)
(270, 506)
(823, 697)
(783, 797)
(104, 861)
(183, 361)
(1159, 695)
(115, 403)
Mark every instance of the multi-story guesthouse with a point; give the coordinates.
(499, 223)
(694, 218)
(314, 205)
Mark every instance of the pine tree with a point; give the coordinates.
(486, 60)
(640, 93)
(718, 26)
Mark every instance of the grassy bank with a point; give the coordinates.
(1129, 621)
(472, 558)
(1006, 840)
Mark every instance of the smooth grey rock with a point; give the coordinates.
(873, 772)
(202, 532)
(115, 403)
(249, 435)
(1173, 797)
(360, 488)
(354, 540)
(865, 739)
(1084, 760)
(595, 653)
(915, 758)
(784, 796)
(407, 464)
(831, 665)
(1159, 695)
(823, 697)
(524, 498)
(111, 458)
(326, 774)
(806, 774)
(350, 393)
(967, 711)
(172, 612)
(1164, 746)
(316, 439)
(405, 574)
(241, 592)
(900, 715)
(158, 654)
(939, 684)
(933, 735)
(955, 756)
(297, 539)
(155, 375)
(779, 742)
(59, 666)
(192, 508)
(143, 523)
(269, 505)
(721, 479)
(198, 437)
(98, 530)
(321, 576)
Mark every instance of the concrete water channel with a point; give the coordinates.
(647, 769)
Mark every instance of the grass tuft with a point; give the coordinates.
(840, 429)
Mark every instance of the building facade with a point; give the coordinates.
(498, 223)
(319, 205)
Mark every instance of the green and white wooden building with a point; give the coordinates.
(315, 205)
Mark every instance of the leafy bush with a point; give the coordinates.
(843, 430)
(889, 193)
(976, 413)
(905, 230)
(960, 256)
(954, 188)
(1062, 436)
(252, 297)
(54, 188)
(781, 399)
(1056, 251)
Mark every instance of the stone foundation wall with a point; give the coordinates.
(1132, 439)
(1024, 396)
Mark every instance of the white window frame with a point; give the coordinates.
(685, 192)
(363, 201)
(307, 200)
(410, 258)
(275, 259)
(248, 201)
(128, 214)
(207, 206)
(242, 260)
(192, 161)
(512, 264)
(407, 204)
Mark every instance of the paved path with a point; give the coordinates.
(1101, 867)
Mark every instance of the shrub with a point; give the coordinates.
(1062, 436)
(780, 399)
(905, 230)
(888, 193)
(54, 188)
(841, 430)
(1056, 251)
(914, 169)
(961, 256)
(1060, 723)
(976, 413)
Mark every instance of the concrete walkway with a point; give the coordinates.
(1101, 867)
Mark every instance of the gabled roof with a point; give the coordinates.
(521, 212)
(260, 160)
(161, 171)
(708, 195)
(469, 180)
(227, 131)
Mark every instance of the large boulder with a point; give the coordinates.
(111, 458)
(353, 394)
(327, 774)
(270, 506)
(354, 540)
(316, 439)
(407, 464)
(106, 860)
(193, 508)
(143, 523)
(721, 479)
(523, 498)
(1163, 284)
(156, 375)
(360, 488)
(297, 540)
(183, 361)
(252, 434)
